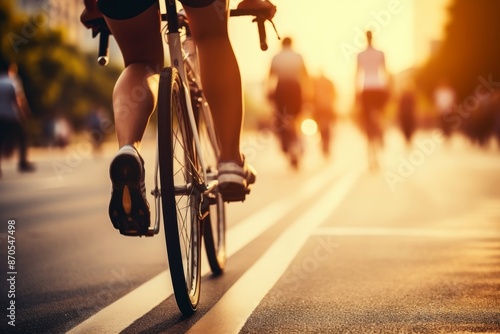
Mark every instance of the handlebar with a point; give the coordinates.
(101, 29)
(103, 53)
(259, 17)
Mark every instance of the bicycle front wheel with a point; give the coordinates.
(181, 191)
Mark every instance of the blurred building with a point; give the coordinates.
(430, 19)
(60, 14)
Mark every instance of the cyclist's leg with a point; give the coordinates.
(134, 96)
(220, 74)
(221, 82)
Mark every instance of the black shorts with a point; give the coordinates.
(127, 9)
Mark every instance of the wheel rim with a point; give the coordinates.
(179, 192)
(185, 173)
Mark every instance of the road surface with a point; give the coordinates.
(332, 248)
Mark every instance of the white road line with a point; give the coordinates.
(119, 315)
(122, 313)
(407, 232)
(233, 309)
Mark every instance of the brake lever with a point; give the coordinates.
(275, 30)
(260, 20)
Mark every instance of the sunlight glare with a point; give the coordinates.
(309, 127)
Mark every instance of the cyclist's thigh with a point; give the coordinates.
(139, 37)
(207, 18)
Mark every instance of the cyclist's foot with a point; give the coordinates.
(128, 208)
(234, 180)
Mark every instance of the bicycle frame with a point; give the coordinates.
(178, 56)
(177, 60)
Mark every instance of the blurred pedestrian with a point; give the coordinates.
(406, 111)
(94, 125)
(372, 91)
(288, 80)
(323, 110)
(444, 101)
(13, 112)
(485, 122)
(62, 131)
(495, 99)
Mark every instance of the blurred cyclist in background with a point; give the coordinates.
(288, 81)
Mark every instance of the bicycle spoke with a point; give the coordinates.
(180, 179)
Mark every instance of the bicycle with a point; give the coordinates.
(185, 178)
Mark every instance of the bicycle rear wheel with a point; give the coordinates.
(181, 191)
(214, 227)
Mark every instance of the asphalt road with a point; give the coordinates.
(332, 248)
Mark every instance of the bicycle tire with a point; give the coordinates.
(214, 227)
(215, 237)
(180, 196)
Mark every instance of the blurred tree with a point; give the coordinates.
(470, 50)
(58, 78)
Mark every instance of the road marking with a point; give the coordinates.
(407, 232)
(118, 316)
(233, 309)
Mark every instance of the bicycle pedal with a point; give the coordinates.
(134, 230)
(131, 226)
(235, 195)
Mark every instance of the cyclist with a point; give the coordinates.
(373, 94)
(288, 79)
(135, 25)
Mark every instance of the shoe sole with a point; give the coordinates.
(232, 188)
(128, 210)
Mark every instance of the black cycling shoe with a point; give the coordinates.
(234, 180)
(129, 209)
